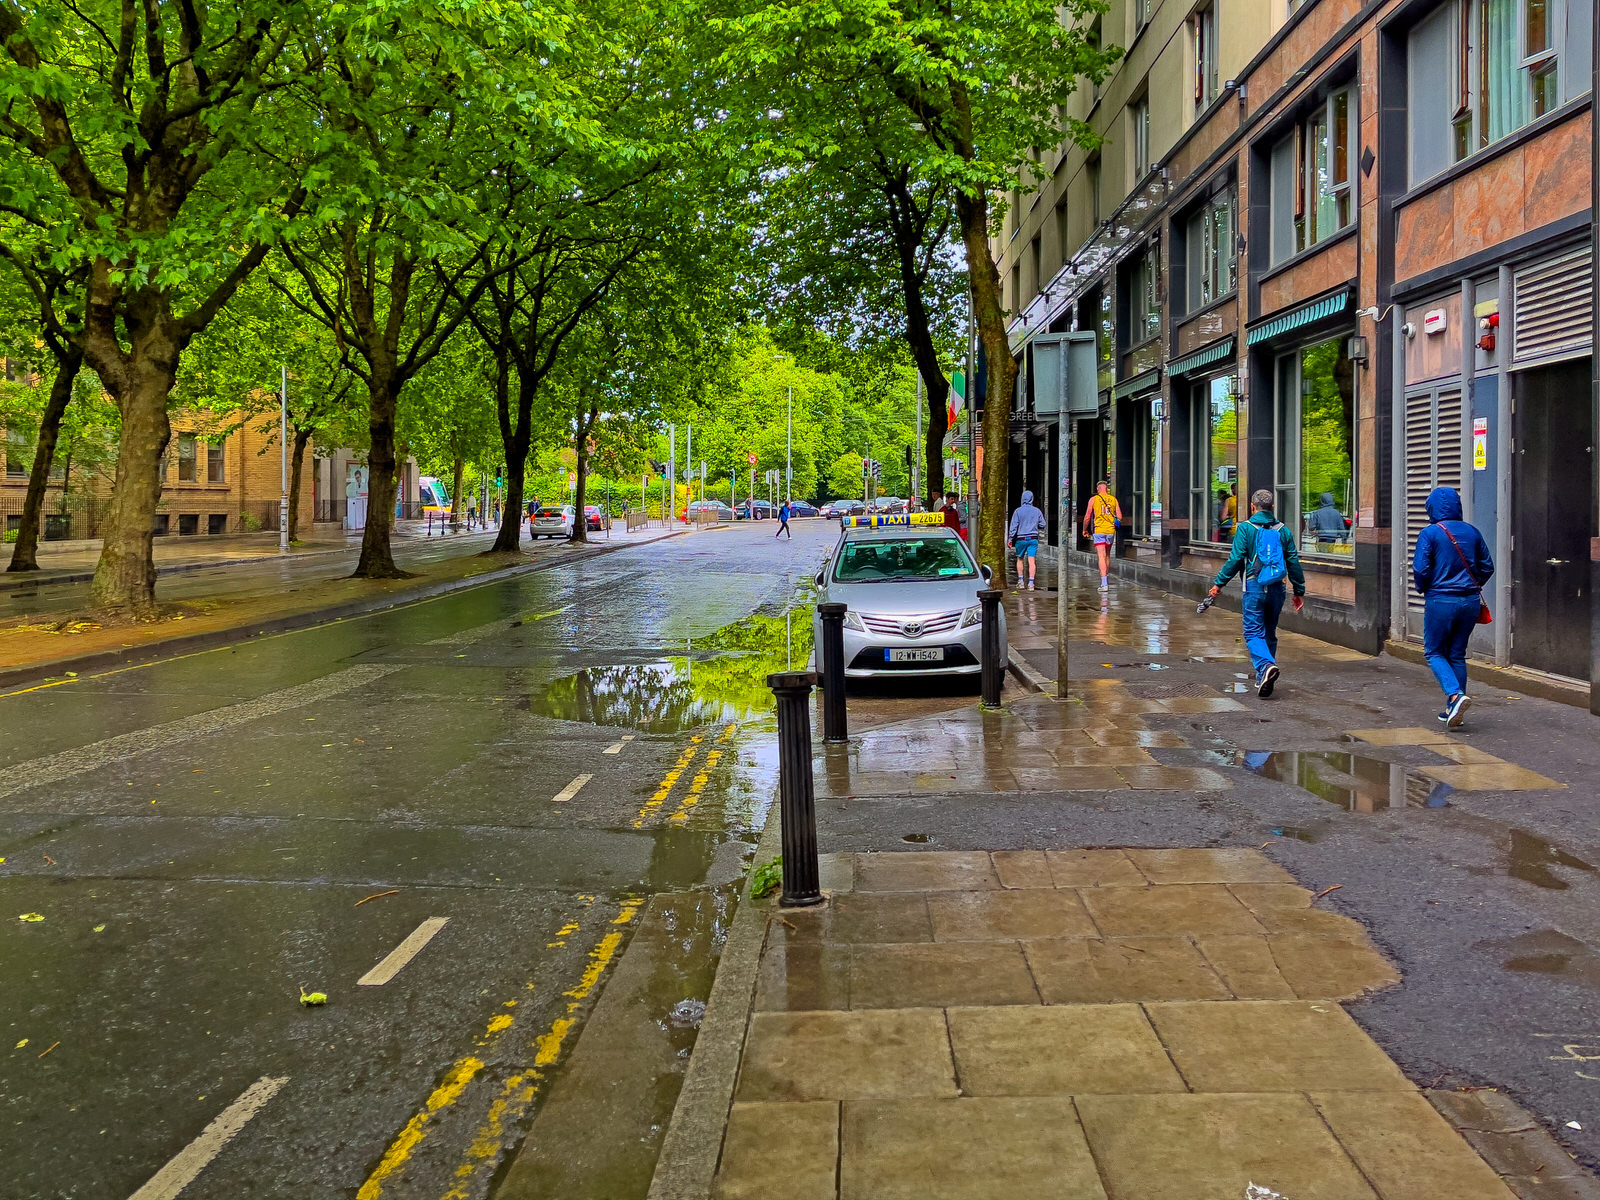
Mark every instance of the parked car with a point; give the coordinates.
(913, 602)
(830, 510)
(552, 520)
(723, 512)
(596, 519)
(799, 508)
(763, 510)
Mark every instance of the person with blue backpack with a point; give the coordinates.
(1264, 551)
(1451, 565)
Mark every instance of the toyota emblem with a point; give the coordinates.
(911, 628)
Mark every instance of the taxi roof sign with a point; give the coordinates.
(879, 520)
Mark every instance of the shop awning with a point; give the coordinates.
(1296, 317)
(1143, 382)
(1201, 358)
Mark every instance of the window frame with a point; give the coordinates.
(1205, 284)
(16, 451)
(216, 453)
(1144, 297)
(1139, 117)
(1202, 485)
(1535, 70)
(1204, 48)
(1288, 380)
(191, 443)
(1316, 148)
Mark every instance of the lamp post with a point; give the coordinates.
(788, 452)
(283, 446)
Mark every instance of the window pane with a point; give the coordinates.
(1223, 457)
(214, 464)
(1502, 100)
(1327, 423)
(1536, 26)
(18, 460)
(1339, 140)
(186, 459)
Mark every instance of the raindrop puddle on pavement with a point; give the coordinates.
(1531, 858)
(1352, 781)
(918, 839)
(719, 678)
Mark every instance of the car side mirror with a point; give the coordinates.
(988, 575)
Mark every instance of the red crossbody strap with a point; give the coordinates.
(1465, 565)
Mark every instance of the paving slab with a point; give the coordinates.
(803, 975)
(1093, 868)
(929, 871)
(1122, 971)
(775, 1151)
(940, 975)
(865, 917)
(975, 1148)
(1208, 866)
(1212, 1147)
(1059, 1051)
(1406, 1149)
(1022, 869)
(1247, 966)
(999, 915)
(846, 1055)
(1273, 1046)
(1168, 911)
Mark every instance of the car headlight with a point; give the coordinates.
(853, 621)
(972, 616)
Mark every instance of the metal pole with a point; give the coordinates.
(802, 880)
(994, 651)
(1064, 533)
(670, 483)
(788, 489)
(283, 439)
(835, 727)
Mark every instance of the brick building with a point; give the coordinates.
(1342, 252)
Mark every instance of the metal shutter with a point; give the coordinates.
(1433, 459)
(1554, 307)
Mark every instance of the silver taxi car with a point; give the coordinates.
(912, 592)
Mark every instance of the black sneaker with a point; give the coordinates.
(1269, 680)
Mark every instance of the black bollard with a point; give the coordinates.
(802, 880)
(835, 725)
(994, 653)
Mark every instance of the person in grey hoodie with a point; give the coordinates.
(1023, 536)
(1450, 567)
(1328, 522)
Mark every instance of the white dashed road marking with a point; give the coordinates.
(193, 1158)
(403, 953)
(571, 790)
(616, 748)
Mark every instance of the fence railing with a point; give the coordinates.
(638, 520)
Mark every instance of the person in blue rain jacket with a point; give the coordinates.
(1450, 568)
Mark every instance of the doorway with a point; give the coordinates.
(1550, 561)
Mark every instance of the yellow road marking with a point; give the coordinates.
(517, 1093)
(39, 687)
(446, 1094)
(668, 782)
(696, 786)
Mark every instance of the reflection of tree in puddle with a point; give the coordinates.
(1352, 781)
(686, 693)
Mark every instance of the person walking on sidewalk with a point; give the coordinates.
(783, 521)
(1450, 567)
(1104, 515)
(1023, 534)
(1263, 549)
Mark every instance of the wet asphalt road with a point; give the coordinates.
(205, 837)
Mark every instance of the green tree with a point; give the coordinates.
(152, 143)
(960, 91)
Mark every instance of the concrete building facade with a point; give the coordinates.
(1343, 252)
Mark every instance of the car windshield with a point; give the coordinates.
(551, 512)
(903, 559)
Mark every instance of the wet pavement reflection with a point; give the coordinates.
(1355, 783)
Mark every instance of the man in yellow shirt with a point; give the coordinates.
(1103, 517)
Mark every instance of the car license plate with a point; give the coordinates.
(933, 654)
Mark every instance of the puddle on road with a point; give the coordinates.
(719, 678)
(1352, 781)
(1531, 859)
(1549, 952)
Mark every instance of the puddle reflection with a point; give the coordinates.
(1531, 859)
(1354, 782)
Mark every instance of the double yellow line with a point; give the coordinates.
(515, 1094)
(697, 784)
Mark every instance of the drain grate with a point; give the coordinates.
(1169, 691)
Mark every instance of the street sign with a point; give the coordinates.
(882, 519)
(752, 460)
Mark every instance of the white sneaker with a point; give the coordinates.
(1104, 586)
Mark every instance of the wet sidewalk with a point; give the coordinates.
(1139, 1025)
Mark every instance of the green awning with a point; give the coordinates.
(1201, 358)
(1296, 317)
(1143, 382)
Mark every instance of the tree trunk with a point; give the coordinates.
(973, 212)
(25, 554)
(302, 438)
(140, 381)
(377, 555)
(514, 436)
(580, 448)
(455, 493)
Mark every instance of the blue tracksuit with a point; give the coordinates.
(1450, 587)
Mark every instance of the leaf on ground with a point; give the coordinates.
(313, 999)
(22, 1043)
(30, 917)
(99, 928)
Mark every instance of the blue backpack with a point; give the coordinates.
(1268, 559)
